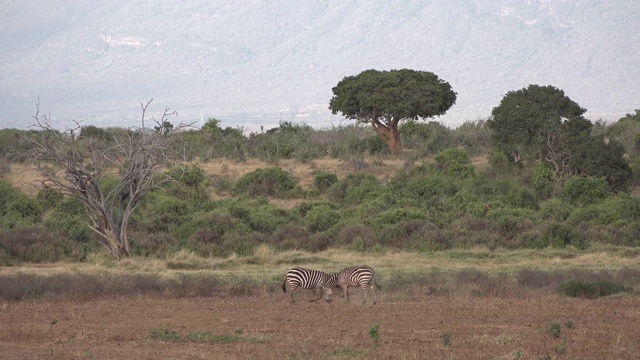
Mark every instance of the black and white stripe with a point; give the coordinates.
(309, 279)
(357, 276)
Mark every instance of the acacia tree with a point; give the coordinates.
(76, 164)
(384, 98)
(542, 123)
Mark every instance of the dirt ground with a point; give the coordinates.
(267, 327)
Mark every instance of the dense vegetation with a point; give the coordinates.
(439, 199)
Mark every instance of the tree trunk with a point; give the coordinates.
(394, 144)
(117, 244)
(389, 134)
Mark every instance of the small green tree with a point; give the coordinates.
(384, 98)
(530, 118)
(542, 123)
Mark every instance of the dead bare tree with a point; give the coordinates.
(81, 163)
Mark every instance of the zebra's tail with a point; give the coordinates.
(284, 285)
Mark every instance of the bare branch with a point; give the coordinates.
(82, 162)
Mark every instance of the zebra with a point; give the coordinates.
(354, 276)
(309, 279)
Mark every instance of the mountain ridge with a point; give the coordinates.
(255, 63)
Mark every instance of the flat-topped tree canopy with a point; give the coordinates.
(384, 98)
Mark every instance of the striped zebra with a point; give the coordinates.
(309, 279)
(357, 276)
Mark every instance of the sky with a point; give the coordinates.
(253, 64)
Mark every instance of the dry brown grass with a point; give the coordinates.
(477, 328)
(23, 178)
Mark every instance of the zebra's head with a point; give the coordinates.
(327, 294)
(332, 281)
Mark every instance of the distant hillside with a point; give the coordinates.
(253, 62)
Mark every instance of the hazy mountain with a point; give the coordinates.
(254, 62)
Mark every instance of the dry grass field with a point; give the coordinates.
(481, 312)
(266, 327)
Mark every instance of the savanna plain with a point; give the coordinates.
(472, 304)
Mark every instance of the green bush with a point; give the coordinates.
(272, 181)
(158, 244)
(465, 203)
(258, 215)
(404, 235)
(74, 227)
(542, 181)
(555, 209)
(584, 190)
(49, 198)
(455, 162)
(321, 218)
(558, 235)
(522, 198)
(590, 289)
(323, 180)
(357, 188)
(511, 219)
(160, 212)
(394, 216)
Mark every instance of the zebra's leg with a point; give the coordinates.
(372, 286)
(317, 290)
(345, 291)
(292, 300)
(364, 293)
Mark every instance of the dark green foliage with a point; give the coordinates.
(16, 208)
(356, 188)
(522, 198)
(510, 219)
(542, 181)
(271, 181)
(558, 235)
(556, 210)
(213, 141)
(321, 218)
(525, 118)
(429, 205)
(420, 184)
(590, 289)
(403, 94)
(626, 131)
(384, 98)
(49, 198)
(94, 132)
(258, 215)
(428, 138)
(394, 216)
(455, 163)
(158, 244)
(322, 180)
(584, 190)
(14, 146)
(405, 235)
(597, 157)
(465, 203)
